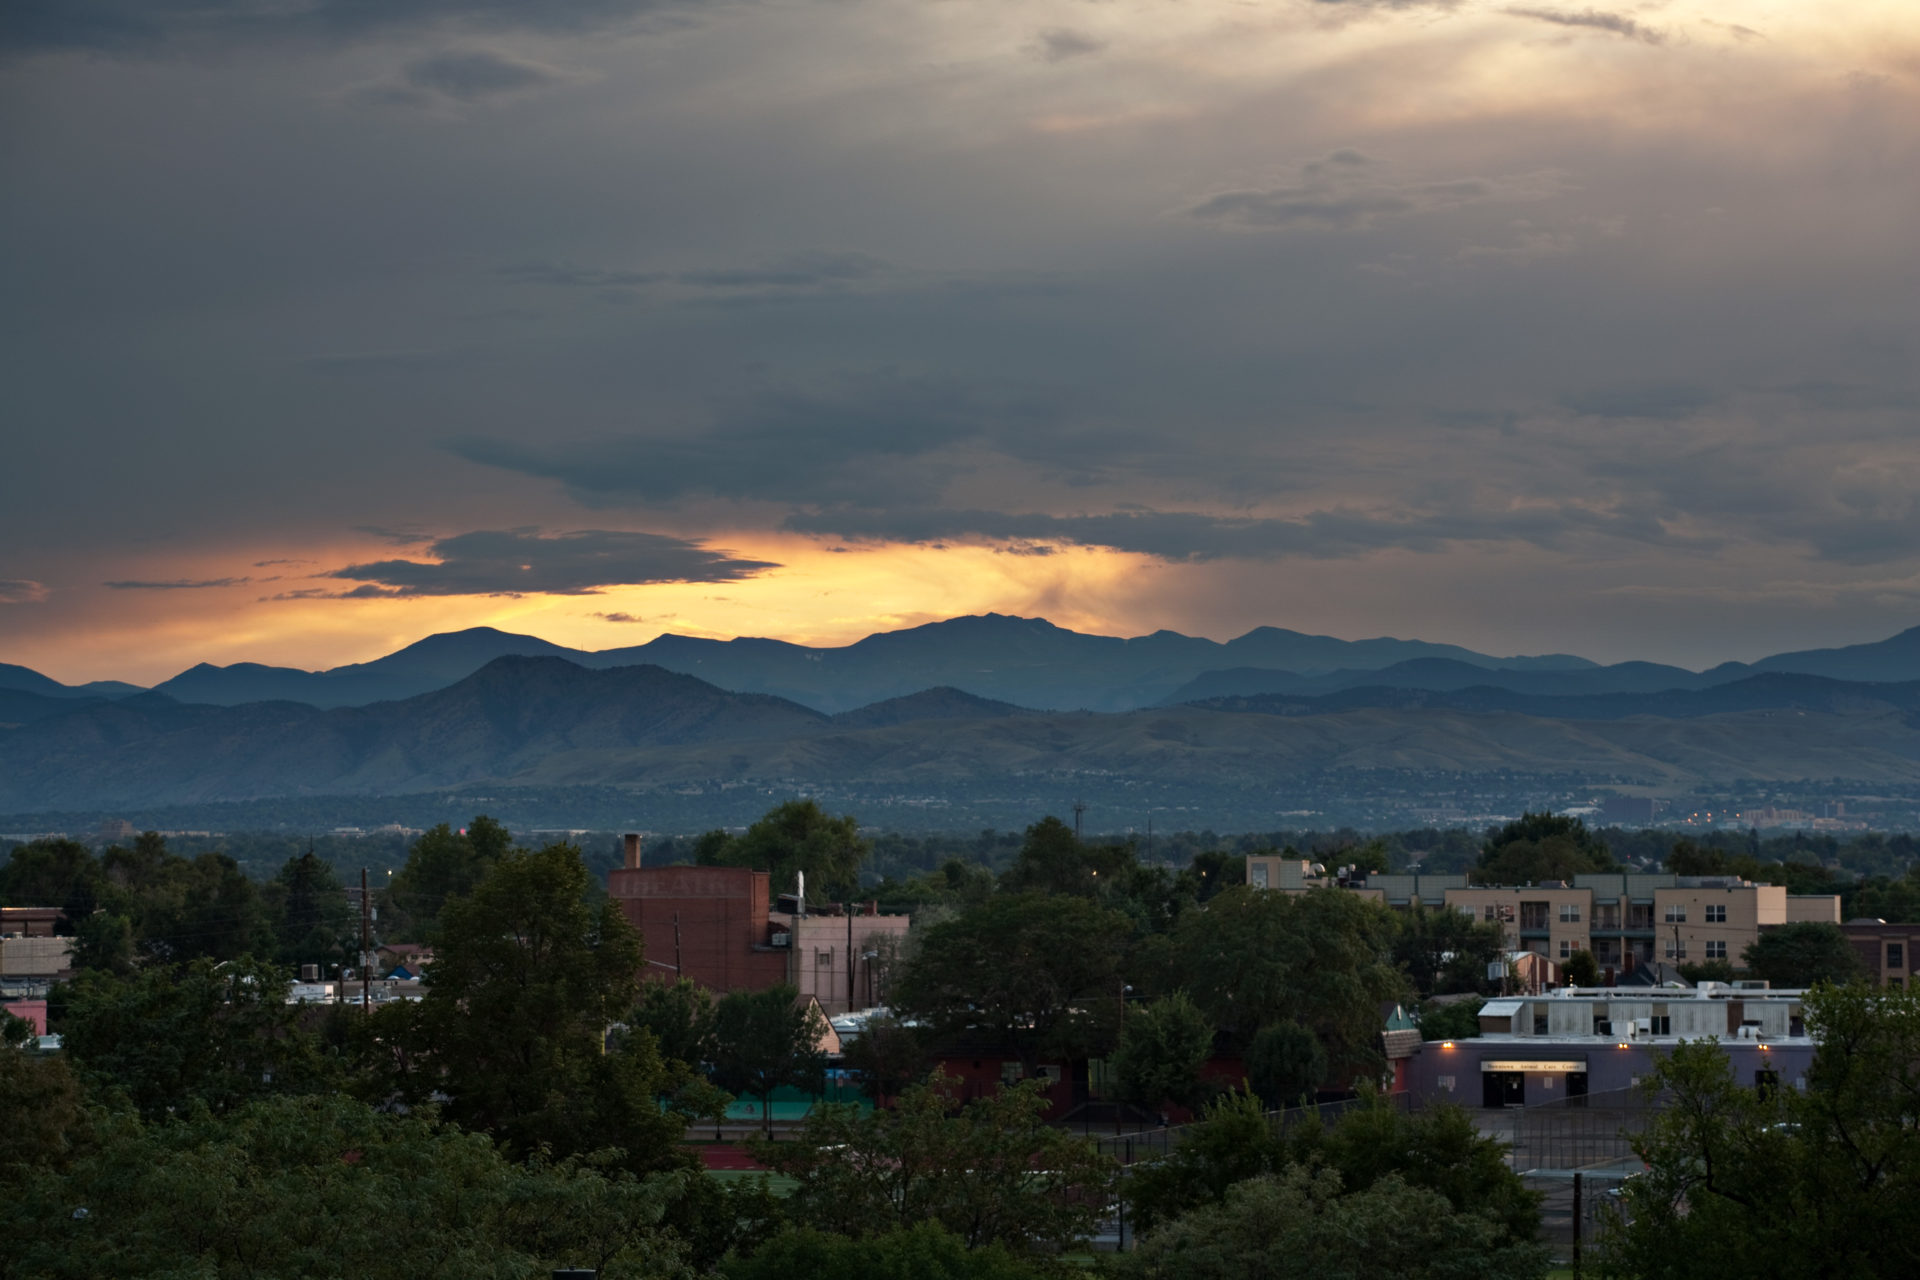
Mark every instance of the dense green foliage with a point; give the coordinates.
(764, 1041)
(527, 979)
(323, 1187)
(995, 1173)
(1801, 954)
(1305, 1224)
(925, 1251)
(798, 836)
(1040, 972)
(1822, 1181)
(1437, 1150)
(1162, 1050)
(1537, 847)
(200, 1035)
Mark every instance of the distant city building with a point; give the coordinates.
(1624, 919)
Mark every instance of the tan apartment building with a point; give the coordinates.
(1623, 918)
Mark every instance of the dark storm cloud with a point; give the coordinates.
(21, 591)
(810, 270)
(1345, 191)
(834, 447)
(1597, 19)
(1197, 536)
(1061, 43)
(175, 584)
(398, 537)
(151, 26)
(470, 75)
(1665, 402)
(526, 562)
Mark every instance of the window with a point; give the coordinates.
(1717, 913)
(1896, 955)
(1467, 912)
(1445, 1082)
(1257, 875)
(1569, 913)
(1676, 951)
(1676, 913)
(1716, 950)
(1660, 1025)
(824, 959)
(1492, 913)
(1533, 915)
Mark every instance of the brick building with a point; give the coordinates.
(714, 925)
(1887, 950)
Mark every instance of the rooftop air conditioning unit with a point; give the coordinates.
(783, 939)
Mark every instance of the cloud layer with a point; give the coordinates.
(1277, 300)
(527, 562)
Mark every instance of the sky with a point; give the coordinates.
(1535, 327)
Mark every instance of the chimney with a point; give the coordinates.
(632, 839)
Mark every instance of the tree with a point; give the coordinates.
(310, 1188)
(1162, 1049)
(1802, 954)
(1231, 1142)
(52, 873)
(1538, 847)
(1318, 959)
(679, 1014)
(312, 918)
(1026, 967)
(1438, 1149)
(1743, 1181)
(1582, 969)
(797, 836)
(886, 1056)
(527, 979)
(1302, 1224)
(1445, 951)
(1053, 859)
(996, 1173)
(767, 1040)
(924, 1251)
(169, 1038)
(1285, 1064)
(47, 1123)
(442, 865)
(1454, 1020)
(104, 941)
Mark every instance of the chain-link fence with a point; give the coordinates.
(1155, 1144)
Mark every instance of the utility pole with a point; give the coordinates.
(678, 972)
(1079, 807)
(366, 978)
(848, 908)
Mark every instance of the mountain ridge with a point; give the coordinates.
(550, 722)
(1028, 662)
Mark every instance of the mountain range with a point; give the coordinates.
(983, 703)
(1027, 662)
